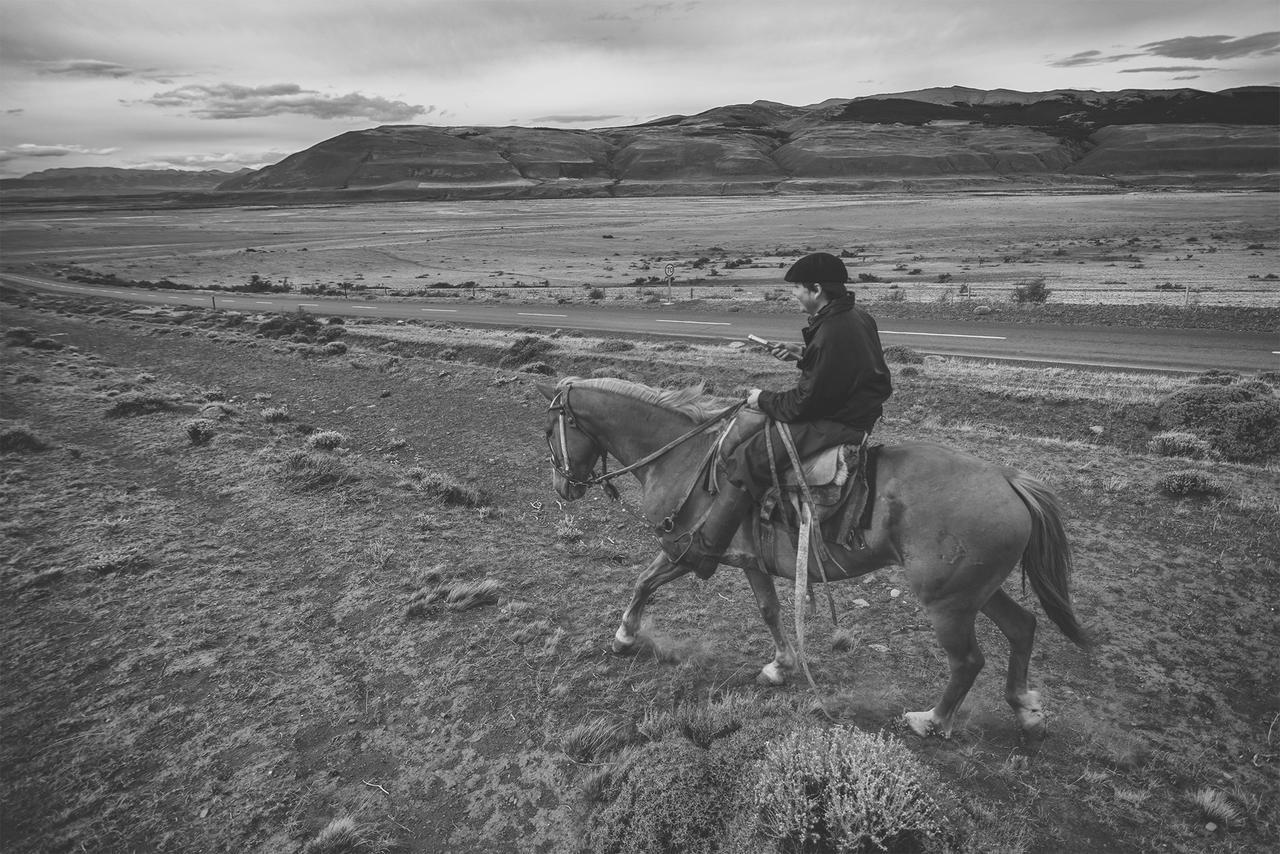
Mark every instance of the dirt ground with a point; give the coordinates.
(220, 637)
(1132, 248)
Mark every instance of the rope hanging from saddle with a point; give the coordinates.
(807, 538)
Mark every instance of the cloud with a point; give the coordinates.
(1091, 57)
(1186, 47)
(1216, 47)
(96, 68)
(573, 119)
(1167, 69)
(28, 149)
(229, 101)
(224, 161)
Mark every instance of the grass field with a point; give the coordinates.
(314, 592)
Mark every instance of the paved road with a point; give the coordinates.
(1112, 347)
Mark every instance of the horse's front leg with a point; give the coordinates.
(784, 657)
(661, 570)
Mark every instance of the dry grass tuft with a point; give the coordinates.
(1176, 443)
(466, 595)
(275, 415)
(326, 440)
(591, 742)
(447, 489)
(344, 836)
(307, 471)
(1216, 807)
(1190, 482)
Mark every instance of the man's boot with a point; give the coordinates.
(723, 520)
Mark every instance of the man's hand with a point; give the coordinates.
(753, 398)
(785, 352)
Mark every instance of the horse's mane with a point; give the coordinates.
(691, 401)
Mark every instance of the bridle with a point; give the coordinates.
(566, 418)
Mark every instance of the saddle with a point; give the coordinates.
(841, 481)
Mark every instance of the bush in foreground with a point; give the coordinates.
(719, 777)
(841, 789)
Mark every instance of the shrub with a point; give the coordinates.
(528, 349)
(669, 796)
(199, 430)
(20, 439)
(326, 440)
(334, 348)
(275, 415)
(1239, 423)
(614, 345)
(1174, 443)
(45, 344)
(19, 336)
(1032, 291)
(847, 791)
(902, 354)
(536, 368)
(1189, 482)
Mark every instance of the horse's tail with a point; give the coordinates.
(1047, 557)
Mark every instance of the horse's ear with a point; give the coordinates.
(548, 390)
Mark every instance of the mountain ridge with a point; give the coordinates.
(939, 138)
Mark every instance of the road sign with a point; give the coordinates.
(670, 270)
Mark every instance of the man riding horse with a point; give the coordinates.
(843, 385)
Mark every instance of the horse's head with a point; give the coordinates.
(573, 451)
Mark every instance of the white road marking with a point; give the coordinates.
(308, 304)
(264, 302)
(698, 322)
(536, 314)
(439, 309)
(945, 335)
(364, 307)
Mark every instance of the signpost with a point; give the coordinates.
(670, 270)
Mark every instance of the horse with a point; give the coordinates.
(956, 524)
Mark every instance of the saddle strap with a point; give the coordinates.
(819, 547)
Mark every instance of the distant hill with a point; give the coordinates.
(106, 180)
(934, 138)
(952, 138)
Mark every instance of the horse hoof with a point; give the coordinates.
(623, 644)
(772, 675)
(1031, 720)
(924, 724)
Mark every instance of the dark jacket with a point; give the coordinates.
(843, 376)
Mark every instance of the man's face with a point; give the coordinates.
(808, 299)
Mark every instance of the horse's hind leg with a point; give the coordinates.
(661, 570)
(954, 630)
(784, 658)
(1019, 626)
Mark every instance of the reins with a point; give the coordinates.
(568, 418)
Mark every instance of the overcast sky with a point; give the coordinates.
(221, 84)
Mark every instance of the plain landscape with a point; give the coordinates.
(289, 582)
